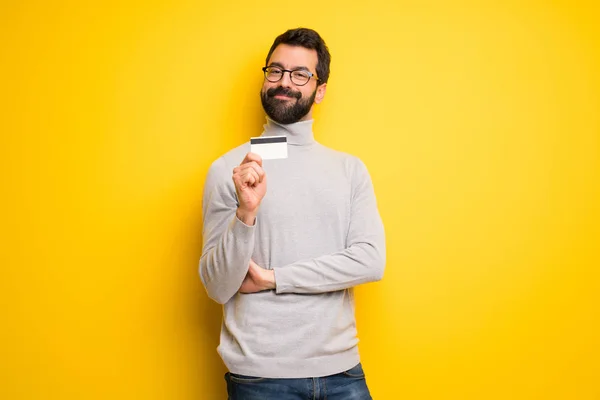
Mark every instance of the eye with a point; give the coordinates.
(274, 71)
(302, 75)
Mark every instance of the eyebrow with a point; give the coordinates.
(276, 64)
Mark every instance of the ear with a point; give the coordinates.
(321, 89)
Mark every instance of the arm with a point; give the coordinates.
(229, 230)
(362, 261)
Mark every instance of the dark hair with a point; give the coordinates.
(309, 39)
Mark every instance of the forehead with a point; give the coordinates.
(291, 57)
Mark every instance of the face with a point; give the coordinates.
(283, 101)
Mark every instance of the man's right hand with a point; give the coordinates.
(250, 183)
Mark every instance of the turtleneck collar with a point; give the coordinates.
(299, 133)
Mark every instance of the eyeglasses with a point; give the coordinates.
(299, 77)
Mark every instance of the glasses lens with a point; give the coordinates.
(300, 77)
(273, 74)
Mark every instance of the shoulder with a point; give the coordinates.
(352, 164)
(221, 169)
(230, 159)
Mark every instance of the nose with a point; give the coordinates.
(286, 80)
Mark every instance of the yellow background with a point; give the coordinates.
(479, 123)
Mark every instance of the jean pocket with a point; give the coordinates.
(237, 378)
(355, 372)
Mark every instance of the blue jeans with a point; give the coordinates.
(347, 385)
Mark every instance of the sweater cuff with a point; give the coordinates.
(242, 232)
(280, 284)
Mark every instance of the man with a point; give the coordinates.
(286, 240)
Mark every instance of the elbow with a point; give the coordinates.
(372, 261)
(378, 275)
(378, 272)
(218, 296)
(214, 291)
(378, 265)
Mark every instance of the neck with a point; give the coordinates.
(299, 133)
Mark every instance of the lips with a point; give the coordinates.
(283, 93)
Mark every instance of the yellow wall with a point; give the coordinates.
(480, 125)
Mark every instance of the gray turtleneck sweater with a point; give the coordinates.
(319, 229)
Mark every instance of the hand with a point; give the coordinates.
(250, 183)
(257, 279)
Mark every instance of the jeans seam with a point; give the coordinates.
(353, 376)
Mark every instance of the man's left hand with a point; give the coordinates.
(257, 279)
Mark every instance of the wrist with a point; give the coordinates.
(270, 280)
(247, 217)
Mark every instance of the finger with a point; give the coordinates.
(259, 171)
(243, 176)
(247, 180)
(254, 272)
(244, 286)
(250, 177)
(250, 170)
(252, 157)
(252, 269)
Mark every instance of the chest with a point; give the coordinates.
(315, 195)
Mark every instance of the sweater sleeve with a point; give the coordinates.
(228, 243)
(363, 259)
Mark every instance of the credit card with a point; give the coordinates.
(269, 147)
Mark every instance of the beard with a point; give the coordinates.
(286, 111)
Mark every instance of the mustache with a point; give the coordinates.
(283, 91)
